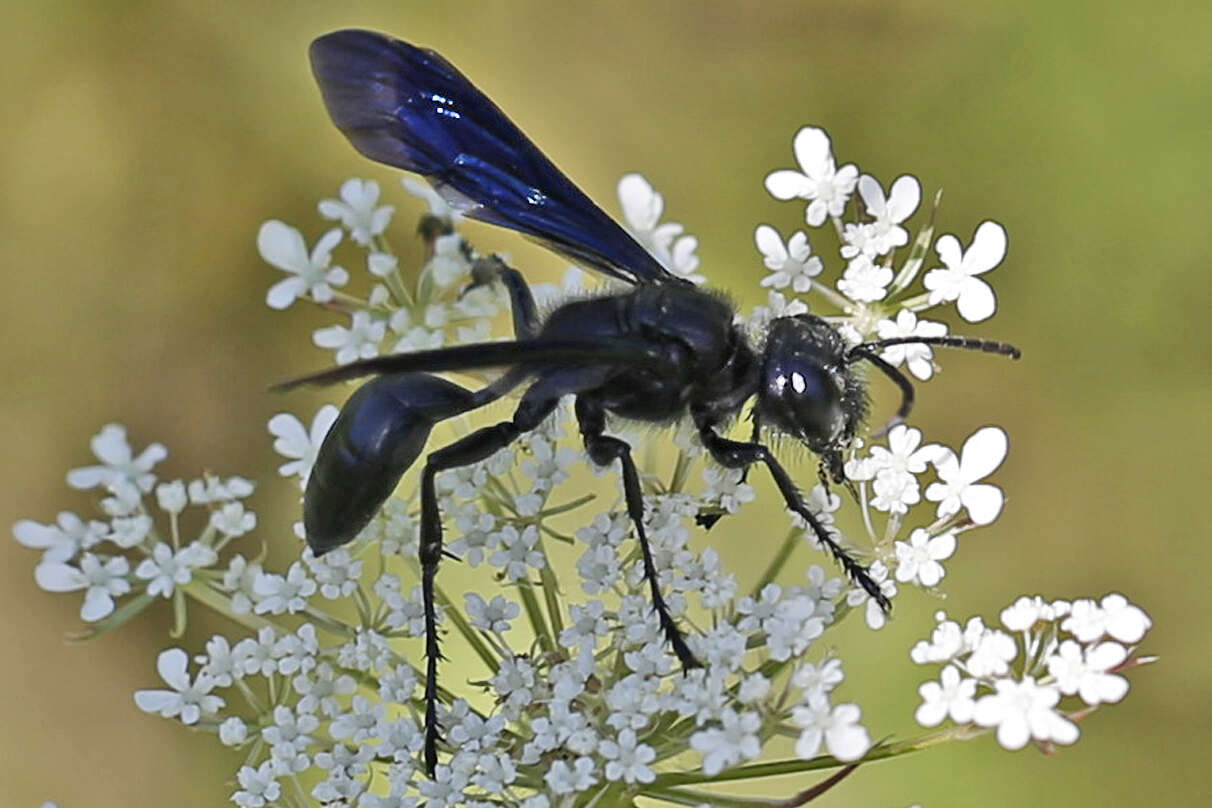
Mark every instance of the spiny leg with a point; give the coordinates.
(737, 454)
(537, 403)
(603, 450)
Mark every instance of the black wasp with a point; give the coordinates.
(653, 353)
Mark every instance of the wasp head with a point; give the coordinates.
(808, 388)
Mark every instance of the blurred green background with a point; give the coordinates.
(145, 142)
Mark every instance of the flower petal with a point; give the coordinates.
(987, 250)
(983, 452)
(984, 502)
(787, 184)
(976, 301)
(282, 245)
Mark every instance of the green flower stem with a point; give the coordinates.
(220, 602)
(841, 303)
(179, 614)
(780, 767)
(681, 470)
(551, 594)
(778, 561)
(535, 613)
(556, 510)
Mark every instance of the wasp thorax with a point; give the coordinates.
(803, 382)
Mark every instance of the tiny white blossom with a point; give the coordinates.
(791, 264)
(63, 540)
(232, 520)
(736, 740)
(518, 554)
(980, 456)
(642, 208)
(917, 357)
(188, 699)
(258, 787)
(950, 696)
(826, 187)
(359, 341)
(438, 205)
(102, 580)
(1085, 672)
(1022, 711)
(357, 210)
(166, 568)
(171, 497)
(918, 559)
(864, 280)
(837, 728)
(233, 731)
(490, 616)
(725, 487)
(119, 462)
(565, 779)
(957, 280)
(282, 246)
(294, 441)
(1114, 615)
(626, 759)
(885, 233)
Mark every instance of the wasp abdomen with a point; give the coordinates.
(380, 432)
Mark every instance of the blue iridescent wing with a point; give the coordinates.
(408, 107)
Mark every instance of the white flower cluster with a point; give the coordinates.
(874, 291)
(579, 700)
(1016, 679)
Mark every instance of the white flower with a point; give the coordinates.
(885, 233)
(282, 246)
(642, 208)
(626, 759)
(359, 341)
(728, 745)
(1022, 711)
(565, 779)
(120, 464)
(725, 487)
(356, 210)
(916, 356)
(958, 281)
(791, 264)
(950, 696)
(518, 554)
(258, 787)
(918, 558)
(62, 540)
(166, 569)
(864, 280)
(1088, 621)
(857, 596)
(1086, 674)
(232, 520)
(490, 616)
(301, 445)
(233, 731)
(102, 581)
(188, 699)
(171, 497)
(982, 453)
(438, 206)
(837, 727)
(826, 187)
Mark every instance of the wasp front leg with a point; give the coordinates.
(736, 454)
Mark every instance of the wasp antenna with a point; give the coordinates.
(969, 343)
(889, 370)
